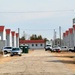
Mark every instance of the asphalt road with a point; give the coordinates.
(38, 62)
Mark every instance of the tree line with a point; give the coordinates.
(34, 37)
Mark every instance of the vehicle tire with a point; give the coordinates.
(51, 50)
(70, 50)
(5, 52)
(20, 55)
(45, 49)
(11, 55)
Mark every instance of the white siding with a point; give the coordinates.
(7, 40)
(33, 45)
(71, 40)
(15, 41)
(4, 34)
(1, 35)
(10, 39)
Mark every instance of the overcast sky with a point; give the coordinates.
(39, 17)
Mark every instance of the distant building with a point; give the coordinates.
(17, 39)
(74, 34)
(69, 36)
(58, 42)
(71, 41)
(2, 37)
(8, 37)
(2, 33)
(33, 44)
(13, 39)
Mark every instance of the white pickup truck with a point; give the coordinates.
(64, 48)
(48, 47)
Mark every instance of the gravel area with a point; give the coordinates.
(38, 62)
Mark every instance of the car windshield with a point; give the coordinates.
(15, 49)
(63, 47)
(7, 47)
(48, 45)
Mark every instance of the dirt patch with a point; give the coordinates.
(31, 50)
(6, 59)
(9, 58)
(68, 58)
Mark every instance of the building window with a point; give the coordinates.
(36, 44)
(40, 44)
(32, 44)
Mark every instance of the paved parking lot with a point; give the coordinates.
(38, 62)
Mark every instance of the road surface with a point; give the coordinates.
(38, 62)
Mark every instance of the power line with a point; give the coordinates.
(44, 30)
(40, 11)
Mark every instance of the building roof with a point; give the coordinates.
(67, 32)
(8, 31)
(17, 34)
(70, 30)
(31, 41)
(1, 28)
(13, 33)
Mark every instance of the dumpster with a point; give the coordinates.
(24, 49)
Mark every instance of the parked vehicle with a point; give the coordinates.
(48, 47)
(16, 51)
(64, 48)
(56, 49)
(71, 49)
(7, 49)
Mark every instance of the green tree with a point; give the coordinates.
(40, 37)
(22, 38)
(35, 37)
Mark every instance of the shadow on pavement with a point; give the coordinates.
(63, 56)
(63, 61)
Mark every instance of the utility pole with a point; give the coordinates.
(19, 32)
(60, 34)
(54, 37)
(19, 35)
(24, 35)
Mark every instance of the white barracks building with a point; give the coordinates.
(8, 37)
(69, 36)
